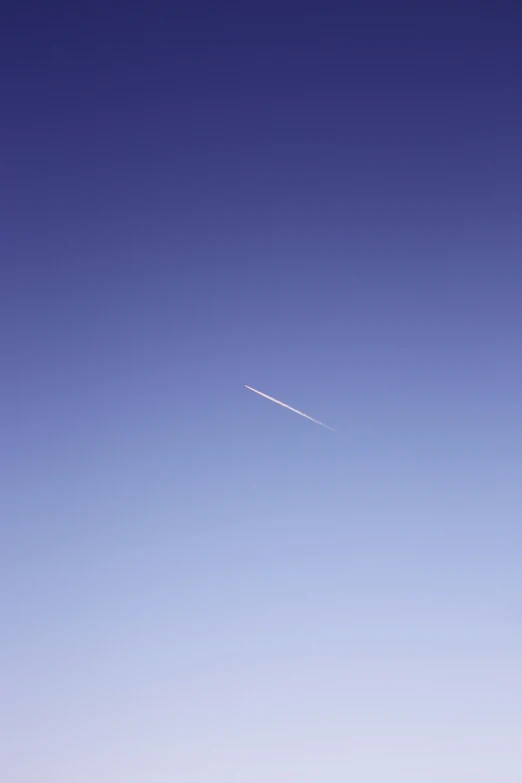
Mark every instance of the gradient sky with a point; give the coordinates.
(198, 585)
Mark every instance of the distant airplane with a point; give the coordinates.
(290, 408)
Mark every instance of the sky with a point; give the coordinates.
(195, 583)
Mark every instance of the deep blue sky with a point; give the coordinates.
(196, 584)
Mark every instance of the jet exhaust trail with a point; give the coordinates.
(290, 408)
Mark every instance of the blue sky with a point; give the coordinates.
(197, 584)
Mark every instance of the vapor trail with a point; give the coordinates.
(290, 408)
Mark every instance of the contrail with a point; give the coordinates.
(290, 408)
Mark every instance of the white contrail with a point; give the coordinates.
(290, 408)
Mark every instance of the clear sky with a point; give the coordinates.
(198, 585)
